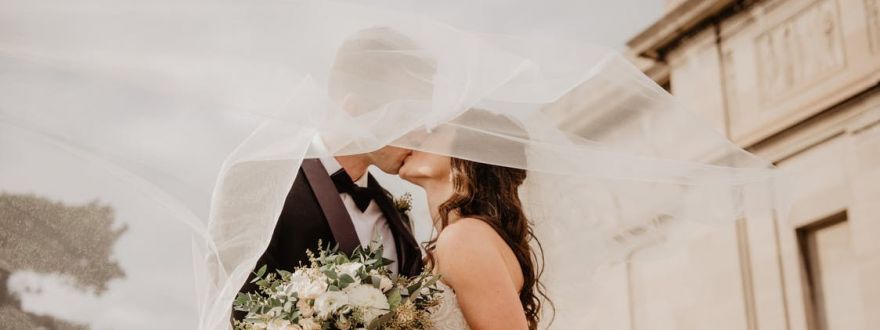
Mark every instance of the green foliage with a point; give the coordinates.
(307, 295)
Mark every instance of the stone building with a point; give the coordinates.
(795, 81)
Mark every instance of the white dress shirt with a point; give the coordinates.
(370, 223)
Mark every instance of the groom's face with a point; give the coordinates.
(389, 159)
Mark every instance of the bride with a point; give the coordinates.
(483, 251)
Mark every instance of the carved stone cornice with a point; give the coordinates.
(685, 19)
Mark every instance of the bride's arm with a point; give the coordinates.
(470, 262)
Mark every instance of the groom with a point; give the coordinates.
(334, 200)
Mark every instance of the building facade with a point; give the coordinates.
(796, 82)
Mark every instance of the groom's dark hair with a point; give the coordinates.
(377, 66)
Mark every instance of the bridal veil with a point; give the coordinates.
(196, 114)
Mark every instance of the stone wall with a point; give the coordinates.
(795, 81)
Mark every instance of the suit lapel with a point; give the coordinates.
(331, 204)
(407, 248)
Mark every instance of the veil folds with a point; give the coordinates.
(204, 110)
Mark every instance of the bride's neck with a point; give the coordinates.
(438, 191)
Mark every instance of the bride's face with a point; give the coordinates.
(420, 166)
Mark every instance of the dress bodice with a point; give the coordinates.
(448, 315)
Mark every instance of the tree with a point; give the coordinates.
(40, 235)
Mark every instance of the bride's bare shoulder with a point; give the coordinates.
(466, 232)
(466, 248)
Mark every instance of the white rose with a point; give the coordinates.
(306, 284)
(313, 289)
(309, 324)
(299, 280)
(366, 296)
(328, 302)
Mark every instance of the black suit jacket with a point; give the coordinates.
(303, 223)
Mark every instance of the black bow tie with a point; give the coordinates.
(362, 196)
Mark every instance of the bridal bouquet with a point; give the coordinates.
(338, 291)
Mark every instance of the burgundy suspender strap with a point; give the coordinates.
(331, 204)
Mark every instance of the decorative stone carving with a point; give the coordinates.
(872, 9)
(799, 51)
(731, 89)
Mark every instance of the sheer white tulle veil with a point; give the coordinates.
(206, 108)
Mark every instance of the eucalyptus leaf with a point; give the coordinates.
(345, 280)
(394, 298)
(261, 271)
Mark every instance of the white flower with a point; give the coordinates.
(385, 284)
(298, 281)
(278, 324)
(351, 269)
(371, 314)
(309, 324)
(371, 302)
(306, 287)
(328, 302)
(304, 308)
(315, 289)
(366, 296)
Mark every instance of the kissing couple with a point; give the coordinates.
(483, 247)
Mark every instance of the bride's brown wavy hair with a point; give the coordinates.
(490, 193)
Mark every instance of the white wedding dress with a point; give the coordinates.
(448, 315)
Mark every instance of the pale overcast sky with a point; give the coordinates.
(608, 22)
